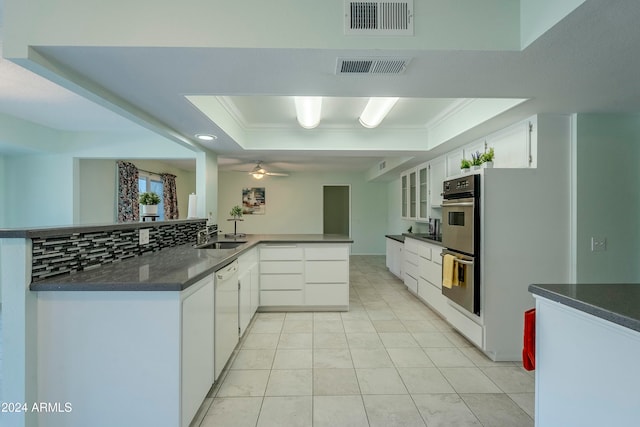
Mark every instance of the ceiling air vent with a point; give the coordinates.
(371, 65)
(393, 18)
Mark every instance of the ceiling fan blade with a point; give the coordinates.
(276, 174)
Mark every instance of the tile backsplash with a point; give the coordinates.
(83, 251)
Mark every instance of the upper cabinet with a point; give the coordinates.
(409, 194)
(453, 161)
(423, 192)
(437, 175)
(404, 188)
(512, 146)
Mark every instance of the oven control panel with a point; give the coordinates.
(461, 187)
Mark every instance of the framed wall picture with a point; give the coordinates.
(253, 201)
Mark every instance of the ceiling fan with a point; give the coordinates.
(258, 172)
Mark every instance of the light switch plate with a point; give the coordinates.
(144, 236)
(598, 244)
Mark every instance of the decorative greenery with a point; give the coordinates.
(488, 156)
(465, 164)
(149, 198)
(236, 211)
(476, 158)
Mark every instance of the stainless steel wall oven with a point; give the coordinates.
(461, 239)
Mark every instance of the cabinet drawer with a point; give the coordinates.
(276, 298)
(327, 294)
(436, 255)
(285, 267)
(280, 253)
(411, 270)
(411, 283)
(280, 281)
(326, 272)
(467, 327)
(432, 272)
(433, 297)
(411, 258)
(327, 253)
(411, 245)
(424, 251)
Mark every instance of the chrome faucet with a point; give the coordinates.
(202, 237)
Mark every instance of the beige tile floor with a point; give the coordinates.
(389, 361)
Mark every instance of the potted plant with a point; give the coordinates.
(236, 212)
(465, 166)
(476, 160)
(149, 202)
(487, 158)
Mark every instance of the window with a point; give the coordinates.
(152, 183)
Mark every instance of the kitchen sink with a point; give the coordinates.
(221, 245)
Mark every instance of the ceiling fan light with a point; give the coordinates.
(308, 110)
(376, 110)
(257, 175)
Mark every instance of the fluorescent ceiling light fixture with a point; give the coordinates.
(308, 109)
(206, 137)
(376, 110)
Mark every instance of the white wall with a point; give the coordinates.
(608, 200)
(97, 191)
(3, 206)
(294, 205)
(538, 16)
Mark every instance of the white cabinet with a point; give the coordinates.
(395, 257)
(249, 288)
(437, 175)
(304, 276)
(512, 146)
(197, 348)
(453, 162)
(411, 268)
(409, 194)
(327, 275)
(423, 192)
(281, 275)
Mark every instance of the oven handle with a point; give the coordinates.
(458, 260)
(448, 203)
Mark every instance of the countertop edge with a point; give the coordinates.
(594, 310)
(423, 239)
(47, 285)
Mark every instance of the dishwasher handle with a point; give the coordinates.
(227, 272)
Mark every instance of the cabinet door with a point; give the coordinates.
(413, 195)
(197, 349)
(244, 301)
(404, 188)
(512, 146)
(255, 288)
(437, 175)
(453, 162)
(423, 193)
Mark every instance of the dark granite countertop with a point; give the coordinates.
(618, 303)
(429, 238)
(33, 232)
(396, 237)
(171, 269)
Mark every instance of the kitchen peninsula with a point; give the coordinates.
(131, 341)
(587, 344)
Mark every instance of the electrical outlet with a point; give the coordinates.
(144, 236)
(598, 244)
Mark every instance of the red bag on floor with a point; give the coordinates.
(529, 349)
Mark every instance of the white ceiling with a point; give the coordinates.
(586, 63)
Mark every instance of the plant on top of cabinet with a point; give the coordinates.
(465, 165)
(476, 159)
(487, 158)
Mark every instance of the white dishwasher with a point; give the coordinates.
(226, 315)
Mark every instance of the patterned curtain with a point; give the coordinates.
(128, 207)
(170, 196)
